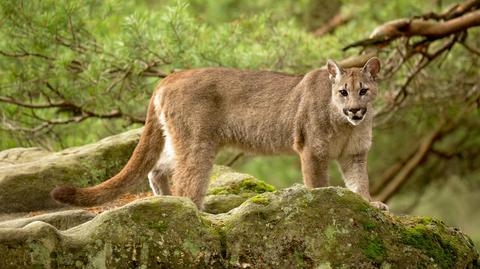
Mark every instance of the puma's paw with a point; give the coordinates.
(380, 205)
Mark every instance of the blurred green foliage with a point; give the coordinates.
(98, 56)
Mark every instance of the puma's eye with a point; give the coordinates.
(343, 92)
(363, 91)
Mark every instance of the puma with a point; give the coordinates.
(321, 116)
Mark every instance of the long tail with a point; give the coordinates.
(143, 159)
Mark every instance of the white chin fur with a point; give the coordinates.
(355, 122)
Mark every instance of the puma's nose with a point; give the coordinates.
(354, 110)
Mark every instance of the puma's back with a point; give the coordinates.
(254, 110)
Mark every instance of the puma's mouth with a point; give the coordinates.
(355, 120)
(355, 116)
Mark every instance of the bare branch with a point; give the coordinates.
(356, 61)
(418, 27)
(13, 101)
(24, 54)
(399, 177)
(235, 159)
(470, 48)
(422, 63)
(390, 173)
(404, 174)
(332, 24)
(72, 107)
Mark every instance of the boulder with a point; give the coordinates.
(62, 220)
(246, 222)
(27, 175)
(335, 228)
(292, 228)
(229, 189)
(155, 232)
(14, 156)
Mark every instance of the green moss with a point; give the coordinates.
(299, 259)
(352, 200)
(169, 232)
(329, 232)
(219, 170)
(216, 204)
(428, 221)
(99, 167)
(191, 247)
(330, 236)
(159, 226)
(233, 260)
(374, 249)
(431, 243)
(260, 199)
(244, 186)
(219, 191)
(368, 225)
(257, 186)
(136, 216)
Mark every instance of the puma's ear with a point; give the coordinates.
(334, 70)
(372, 67)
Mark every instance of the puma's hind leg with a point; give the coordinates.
(160, 176)
(160, 182)
(192, 170)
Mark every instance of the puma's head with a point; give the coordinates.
(354, 89)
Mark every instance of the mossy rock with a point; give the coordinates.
(27, 175)
(14, 156)
(62, 220)
(229, 189)
(291, 228)
(262, 227)
(335, 228)
(155, 232)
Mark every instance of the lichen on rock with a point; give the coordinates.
(246, 223)
(27, 175)
(229, 189)
(291, 228)
(62, 220)
(155, 232)
(298, 227)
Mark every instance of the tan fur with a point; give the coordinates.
(143, 159)
(203, 110)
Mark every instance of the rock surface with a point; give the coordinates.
(62, 220)
(28, 175)
(249, 224)
(229, 189)
(291, 228)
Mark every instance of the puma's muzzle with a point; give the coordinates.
(355, 115)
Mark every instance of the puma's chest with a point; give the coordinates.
(348, 143)
(336, 145)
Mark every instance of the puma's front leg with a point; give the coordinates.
(355, 175)
(314, 168)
